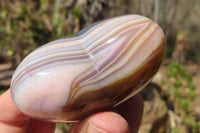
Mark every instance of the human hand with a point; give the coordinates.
(124, 119)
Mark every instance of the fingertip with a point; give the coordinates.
(104, 122)
(9, 110)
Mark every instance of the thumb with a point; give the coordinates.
(104, 122)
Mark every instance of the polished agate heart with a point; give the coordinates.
(94, 70)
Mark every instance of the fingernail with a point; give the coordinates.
(94, 129)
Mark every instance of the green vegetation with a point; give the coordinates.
(2, 91)
(181, 93)
(25, 25)
(76, 13)
(60, 125)
(192, 55)
(64, 126)
(174, 130)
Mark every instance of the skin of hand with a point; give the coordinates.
(125, 118)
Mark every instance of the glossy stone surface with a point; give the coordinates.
(95, 70)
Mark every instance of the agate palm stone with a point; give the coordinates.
(94, 70)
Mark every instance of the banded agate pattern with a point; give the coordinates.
(94, 70)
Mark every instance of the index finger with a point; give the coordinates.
(9, 111)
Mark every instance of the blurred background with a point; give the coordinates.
(172, 99)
